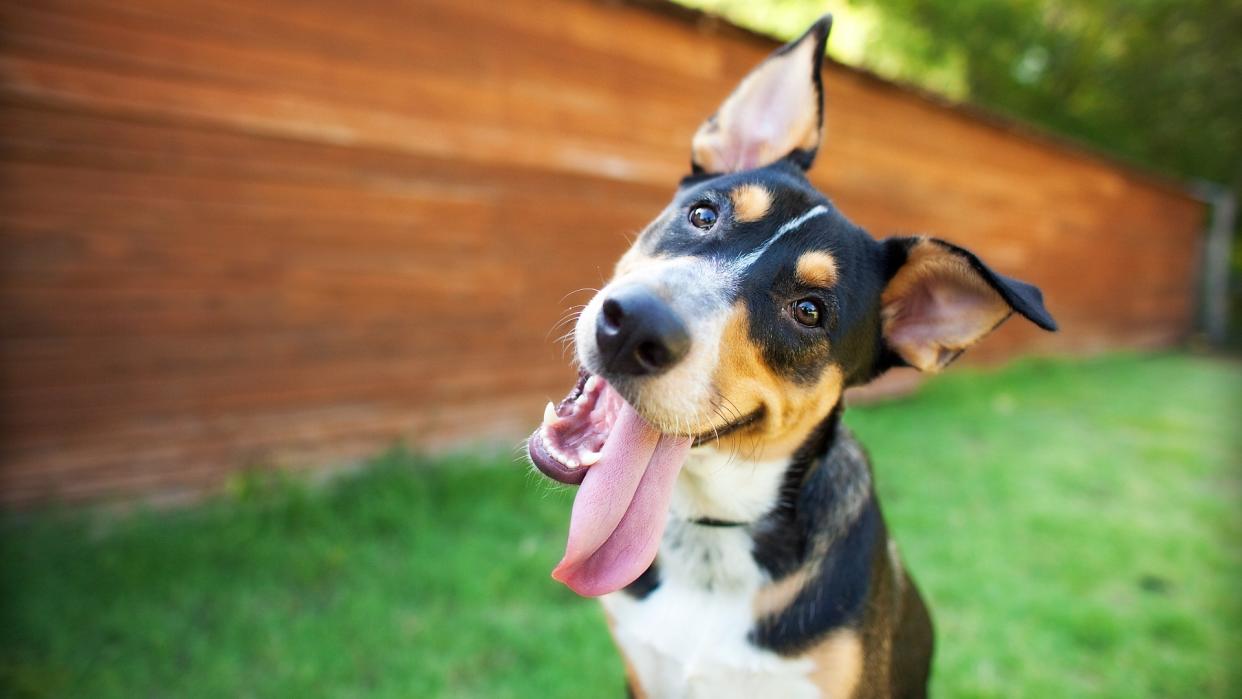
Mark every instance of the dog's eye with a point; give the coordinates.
(806, 312)
(703, 216)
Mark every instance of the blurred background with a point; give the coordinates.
(280, 292)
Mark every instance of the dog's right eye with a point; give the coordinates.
(806, 312)
(703, 216)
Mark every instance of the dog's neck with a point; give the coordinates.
(736, 522)
(719, 487)
(722, 487)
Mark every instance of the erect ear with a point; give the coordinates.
(775, 112)
(941, 299)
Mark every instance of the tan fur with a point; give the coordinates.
(811, 134)
(838, 664)
(930, 261)
(791, 410)
(898, 570)
(750, 202)
(712, 148)
(817, 269)
(774, 597)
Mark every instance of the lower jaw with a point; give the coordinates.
(558, 470)
(551, 468)
(715, 434)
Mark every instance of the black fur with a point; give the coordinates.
(645, 584)
(781, 537)
(850, 333)
(820, 513)
(833, 597)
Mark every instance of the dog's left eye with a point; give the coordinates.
(703, 216)
(806, 312)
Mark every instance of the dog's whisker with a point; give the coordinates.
(579, 291)
(569, 316)
(570, 319)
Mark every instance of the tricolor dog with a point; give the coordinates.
(725, 517)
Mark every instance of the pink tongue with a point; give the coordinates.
(621, 507)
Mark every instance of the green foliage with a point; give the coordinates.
(1156, 81)
(1074, 527)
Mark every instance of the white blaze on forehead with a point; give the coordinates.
(694, 287)
(744, 262)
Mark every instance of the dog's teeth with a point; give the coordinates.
(582, 399)
(549, 412)
(572, 463)
(591, 384)
(590, 458)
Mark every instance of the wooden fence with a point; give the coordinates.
(242, 234)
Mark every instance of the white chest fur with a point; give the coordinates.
(688, 638)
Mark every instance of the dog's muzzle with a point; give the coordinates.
(638, 334)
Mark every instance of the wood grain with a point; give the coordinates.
(247, 234)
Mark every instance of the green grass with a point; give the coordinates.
(1074, 526)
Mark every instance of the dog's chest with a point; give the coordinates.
(689, 636)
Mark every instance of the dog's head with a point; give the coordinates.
(740, 315)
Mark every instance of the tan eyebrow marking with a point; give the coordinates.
(817, 268)
(750, 202)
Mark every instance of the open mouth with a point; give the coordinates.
(626, 470)
(574, 431)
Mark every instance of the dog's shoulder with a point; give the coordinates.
(781, 603)
(817, 595)
(849, 610)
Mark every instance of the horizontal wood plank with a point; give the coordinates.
(288, 234)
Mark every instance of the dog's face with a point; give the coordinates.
(739, 316)
(746, 307)
(740, 313)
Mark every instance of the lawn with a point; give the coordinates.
(1074, 526)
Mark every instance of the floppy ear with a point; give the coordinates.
(775, 112)
(941, 299)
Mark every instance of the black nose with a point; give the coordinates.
(637, 333)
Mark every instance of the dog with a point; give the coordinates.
(724, 515)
